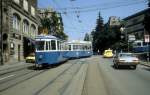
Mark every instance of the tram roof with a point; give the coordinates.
(45, 37)
(79, 42)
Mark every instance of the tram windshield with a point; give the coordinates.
(40, 45)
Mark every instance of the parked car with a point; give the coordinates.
(125, 59)
(108, 53)
(30, 58)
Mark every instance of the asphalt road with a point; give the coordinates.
(87, 76)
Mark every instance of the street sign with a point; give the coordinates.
(131, 37)
(146, 38)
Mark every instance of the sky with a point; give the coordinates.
(79, 16)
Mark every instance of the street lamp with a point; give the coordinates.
(122, 29)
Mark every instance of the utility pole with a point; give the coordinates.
(1, 34)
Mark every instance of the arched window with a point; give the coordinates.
(26, 26)
(33, 30)
(25, 4)
(16, 22)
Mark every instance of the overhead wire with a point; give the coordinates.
(64, 14)
(103, 6)
(91, 8)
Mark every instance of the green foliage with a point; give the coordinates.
(54, 25)
(87, 37)
(97, 34)
(105, 37)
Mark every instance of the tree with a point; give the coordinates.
(97, 34)
(53, 25)
(87, 37)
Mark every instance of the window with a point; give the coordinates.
(25, 5)
(16, 22)
(32, 10)
(40, 45)
(25, 27)
(58, 45)
(50, 46)
(69, 47)
(17, 1)
(47, 45)
(53, 45)
(33, 30)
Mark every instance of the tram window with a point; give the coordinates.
(53, 44)
(69, 47)
(58, 45)
(50, 46)
(74, 47)
(144, 44)
(46, 46)
(40, 45)
(138, 44)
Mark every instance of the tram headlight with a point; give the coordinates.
(40, 57)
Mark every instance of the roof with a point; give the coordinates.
(45, 37)
(137, 14)
(79, 42)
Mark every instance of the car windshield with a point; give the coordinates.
(32, 55)
(126, 55)
(108, 51)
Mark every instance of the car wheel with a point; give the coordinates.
(116, 66)
(26, 61)
(134, 67)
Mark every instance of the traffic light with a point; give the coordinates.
(147, 22)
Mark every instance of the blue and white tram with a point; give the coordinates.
(48, 50)
(79, 49)
(141, 46)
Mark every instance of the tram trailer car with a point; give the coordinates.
(140, 46)
(79, 49)
(48, 51)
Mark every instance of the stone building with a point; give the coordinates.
(114, 21)
(134, 24)
(48, 13)
(20, 26)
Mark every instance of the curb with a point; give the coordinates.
(148, 65)
(8, 66)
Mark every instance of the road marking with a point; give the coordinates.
(6, 77)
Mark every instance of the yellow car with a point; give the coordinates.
(30, 58)
(108, 54)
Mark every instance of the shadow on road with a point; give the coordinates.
(122, 67)
(44, 66)
(146, 68)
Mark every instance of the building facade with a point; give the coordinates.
(50, 13)
(114, 21)
(20, 26)
(134, 24)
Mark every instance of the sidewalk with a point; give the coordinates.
(145, 63)
(11, 65)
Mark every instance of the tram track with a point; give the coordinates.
(17, 76)
(66, 85)
(13, 69)
(55, 78)
(21, 78)
(84, 90)
(96, 85)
